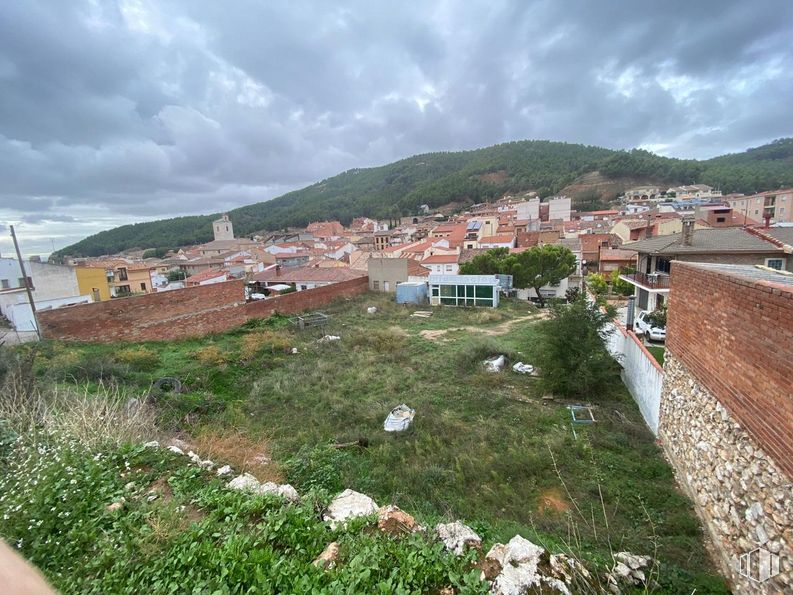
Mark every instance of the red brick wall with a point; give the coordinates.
(190, 312)
(736, 336)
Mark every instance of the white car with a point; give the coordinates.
(643, 325)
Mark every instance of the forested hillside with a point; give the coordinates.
(436, 179)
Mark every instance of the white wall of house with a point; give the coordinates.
(15, 307)
(441, 268)
(529, 209)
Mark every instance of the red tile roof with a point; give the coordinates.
(440, 259)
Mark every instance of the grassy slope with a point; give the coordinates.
(440, 178)
(474, 451)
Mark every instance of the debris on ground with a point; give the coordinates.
(167, 384)
(581, 414)
(327, 559)
(495, 363)
(399, 419)
(293, 351)
(329, 339)
(456, 537)
(371, 309)
(522, 368)
(395, 521)
(422, 313)
(348, 505)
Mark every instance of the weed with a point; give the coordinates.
(258, 342)
(138, 358)
(211, 355)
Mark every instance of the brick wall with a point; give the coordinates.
(736, 336)
(190, 312)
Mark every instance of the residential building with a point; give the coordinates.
(693, 191)
(207, 278)
(325, 230)
(464, 290)
(52, 286)
(386, 273)
(559, 208)
(126, 278)
(382, 239)
(722, 215)
(730, 245)
(442, 264)
(615, 259)
(306, 277)
(93, 281)
(777, 205)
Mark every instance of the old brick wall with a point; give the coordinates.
(726, 420)
(736, 336)
(190, 312)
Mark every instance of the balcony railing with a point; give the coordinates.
(648, 280)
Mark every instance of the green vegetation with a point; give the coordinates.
(571, 352)
(464, 177)
(597, 284)
(533, 268)
(657, 353)
(485, 448)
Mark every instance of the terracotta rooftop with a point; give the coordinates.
(441, 259)
(297, 274)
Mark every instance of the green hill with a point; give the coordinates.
(437, 179)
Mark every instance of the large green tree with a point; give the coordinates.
(531, 269)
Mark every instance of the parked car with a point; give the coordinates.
(643, 325)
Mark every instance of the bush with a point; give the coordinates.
(620, 286)
(570, 352)
(139, 358)
(318, 467)
(597, 283)
(658, 317)
(211, 355)
(86, 367)
(254, 344)
(471, 355)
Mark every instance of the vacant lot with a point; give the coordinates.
(484, 447)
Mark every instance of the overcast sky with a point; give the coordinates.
(121, 111)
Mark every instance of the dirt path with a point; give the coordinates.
(499, 329)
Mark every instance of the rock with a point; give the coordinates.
(152, 444)
(490, 568)
(194, 457)
(117, 505)
(754, 512)
(519, 560)
(633, 561)
(329, 339)
(129, 486)
(285, 491)
(394, 521)
(244, 483)
(566, 568)
(327, 559)
(181, 444)
(456, 537)
(371, 310)
(495, 363)
(206, 464)
(448, 590)
(176, 449)
(294, 351)
(348, 505)
(224, 470)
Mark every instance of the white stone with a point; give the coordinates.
(632, 560)
(152, 444)
(193, 457)
(207, 464)
(348, 505)
(371, 309)
(176, 449)
(519, 559)
(288, 492)
(244, 483)
(224, 470)
(456, 537)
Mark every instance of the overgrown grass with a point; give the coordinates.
(657, 352)
(483, 447)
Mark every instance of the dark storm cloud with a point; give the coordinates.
(131, 109)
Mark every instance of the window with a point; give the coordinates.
(386, 286)
(23, 284)
(774, 263)
(436, 290)
(304, 287)
(720, 219)
(376, 285)
(449, 268)
(143, 287)
(5, 284)
(122, 274)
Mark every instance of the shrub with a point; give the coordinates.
(620, 286)
(86, 367)
(211, 355)
(658, 317)
(318, 467)
(139, 358)
(270, 341)
(570, 351)
(597, 283)
(474, 352)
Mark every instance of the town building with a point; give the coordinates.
(386, 273)
(776, 205)
(464, 290)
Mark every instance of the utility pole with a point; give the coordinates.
(27, 285)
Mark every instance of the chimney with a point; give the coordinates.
(767, 219)
(688, 230)
(278, 270)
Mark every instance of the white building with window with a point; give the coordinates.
(464, 290)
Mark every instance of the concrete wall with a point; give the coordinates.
(641, 373)
(727, 414)
(387, 270)
(182, 313)
(50, 281)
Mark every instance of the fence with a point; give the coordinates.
(182, 313)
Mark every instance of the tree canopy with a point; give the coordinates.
(463, 178)
(533, 268)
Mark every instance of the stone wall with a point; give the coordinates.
(743, 497)
(726, 415)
